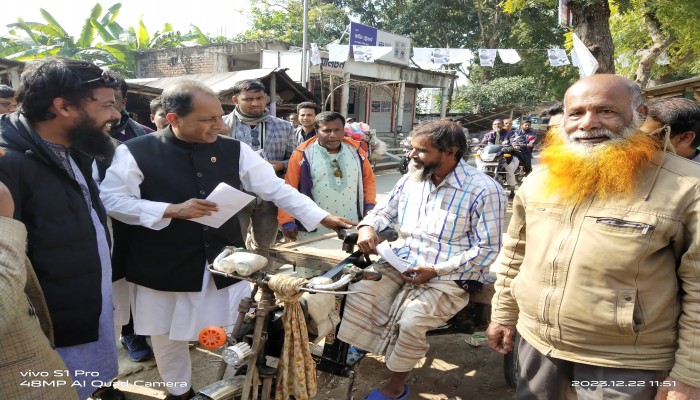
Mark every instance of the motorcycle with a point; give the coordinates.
(403, 162)
(258, 337)
(492, 160)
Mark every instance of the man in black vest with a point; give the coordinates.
(157, 183)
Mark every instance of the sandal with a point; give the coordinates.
(377, 395)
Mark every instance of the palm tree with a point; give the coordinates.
(102, 40)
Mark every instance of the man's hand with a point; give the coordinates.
(291, 234)
(367, 239)
(418, 275)
(676, 390)
(7, 205)
(335, 222)
(500, 337)
(192, 208)
(277, 165)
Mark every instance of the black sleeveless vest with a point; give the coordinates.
(173, 259)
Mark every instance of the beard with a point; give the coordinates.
(420, 172)
(92, 139)
(576, 171)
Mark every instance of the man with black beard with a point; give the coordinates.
(62, 126)
(449, 216)
(599, 268)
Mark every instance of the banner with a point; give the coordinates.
(557, 57)
(565, 14)
(487, 57)
(363, 53)
(315, 54)
(433, 58)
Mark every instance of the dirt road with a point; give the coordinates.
(451, 370)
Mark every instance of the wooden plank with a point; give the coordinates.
(325, 251)
(321, 252)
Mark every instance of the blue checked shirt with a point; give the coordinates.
(279, 138)
(455, 227)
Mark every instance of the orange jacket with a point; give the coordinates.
(298, 176)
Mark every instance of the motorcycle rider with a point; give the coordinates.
(523, 141)
(495, 136)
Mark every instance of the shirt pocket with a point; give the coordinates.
(536, 211)
(444, 224)
(619, 225)
(628, 316)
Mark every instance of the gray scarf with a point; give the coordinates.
(251, 120)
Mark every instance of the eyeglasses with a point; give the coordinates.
(105, 77)
(8, 104)
(338, 173)
(255, 142)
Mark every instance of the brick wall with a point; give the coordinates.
(202, 59)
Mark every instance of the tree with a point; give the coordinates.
(520, 92)
(283, 20)
(102, 40)
(30, 40)
(473, 24)
(647, 30)
(590, 22)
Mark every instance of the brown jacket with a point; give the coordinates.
(25, 327)
(612, 282)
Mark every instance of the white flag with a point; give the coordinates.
(663, 59)
(380, 51)
(487, 57)
(557, 57)
(509, 56)
(315, 54)
(461, 56)
(363, 53)
(587, 64)
(338, 52)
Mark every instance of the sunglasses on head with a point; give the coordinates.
(104, 77)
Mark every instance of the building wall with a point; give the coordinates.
(202, 59)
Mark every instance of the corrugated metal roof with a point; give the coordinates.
(222, 82)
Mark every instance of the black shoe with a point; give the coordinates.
(108, 393)
(137, 347)
(186, 396)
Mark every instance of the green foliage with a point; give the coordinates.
(102, 40)
(531, 28)
(678, 18)
(283, 20)
(516, 91)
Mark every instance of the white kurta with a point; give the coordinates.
(181, 315)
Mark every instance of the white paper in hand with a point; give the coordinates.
(230, 201)
(385, 251)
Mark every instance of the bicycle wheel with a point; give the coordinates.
(510, 363)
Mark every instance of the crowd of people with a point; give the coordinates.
(97, 231)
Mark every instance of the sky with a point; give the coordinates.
(215, 17)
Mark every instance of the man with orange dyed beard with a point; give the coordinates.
(606, 293)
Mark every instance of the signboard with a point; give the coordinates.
(363, 35)
(565, 14)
